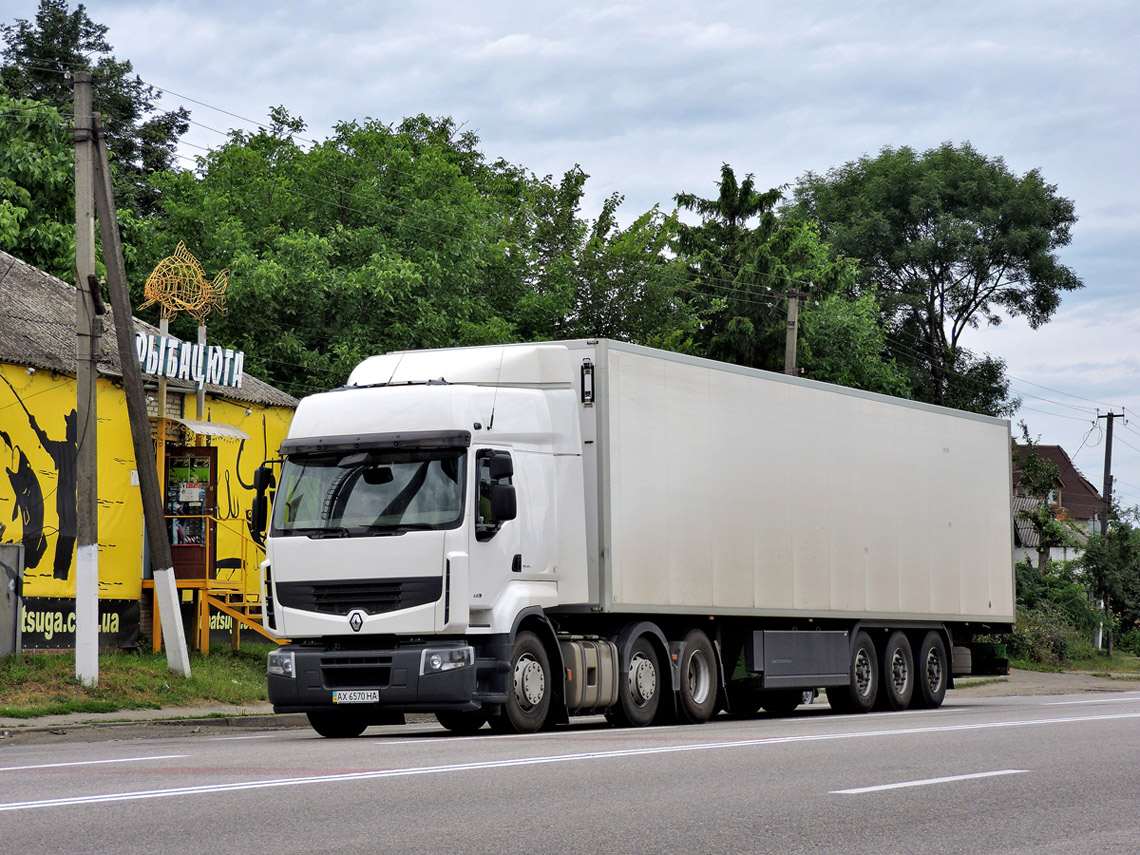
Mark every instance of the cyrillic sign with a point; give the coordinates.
(181, 360)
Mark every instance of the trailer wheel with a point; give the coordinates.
(896, 668)
(859, 696)
(528, 695)
(639, 692)
(932, 672)
(337, 725)
(462, 722)
(698, 678)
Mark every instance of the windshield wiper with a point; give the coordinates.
(400, 528)
(320, 532)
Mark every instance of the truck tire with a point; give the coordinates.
(337, 724)
(781, 701)
(896, 670)
(932, 674)
(743, 698)
(859, 696)
(529, 689)
(465, 723)
(698, 678)
(639, 689)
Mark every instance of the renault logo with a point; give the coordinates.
(356, 619)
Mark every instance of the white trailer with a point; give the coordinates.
(520, 533)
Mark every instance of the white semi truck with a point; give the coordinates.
(517, 534)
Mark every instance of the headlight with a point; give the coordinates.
(439, 659)
(281, 664)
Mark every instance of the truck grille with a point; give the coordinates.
(374, 596)
(346, 672)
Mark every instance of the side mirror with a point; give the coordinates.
(501, 466)
(264, 482)
(259, 513)
(504, 506)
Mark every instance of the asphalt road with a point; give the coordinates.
(1045, 774)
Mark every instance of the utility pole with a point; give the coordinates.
(165, 587)
(1108, 469)
(88, 326)
(1110, 416)
(792, 331)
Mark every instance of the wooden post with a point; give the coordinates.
(165, 586)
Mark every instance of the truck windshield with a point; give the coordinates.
(381, 492)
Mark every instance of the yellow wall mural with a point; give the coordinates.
(38, 435)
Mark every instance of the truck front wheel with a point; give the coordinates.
(528, 695)
(337, 724)
(462, 722)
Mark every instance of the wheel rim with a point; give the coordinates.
(899, 674)
(642, 679)
(863, 673)
(530, 682)
(933, 672)
(699, 677)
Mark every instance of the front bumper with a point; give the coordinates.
(393, 673)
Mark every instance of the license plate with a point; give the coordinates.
(345, 696)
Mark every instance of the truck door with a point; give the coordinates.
(495, 550)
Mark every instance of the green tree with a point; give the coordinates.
(743, 258)
(1112, 561)
(39, 57)
(37, 192)
(842, 342)
(399, 236)
(949, 239)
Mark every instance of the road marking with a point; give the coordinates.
(232, 738)
(91, 762)
(1078, 703)
(926, 782)
(378, 774)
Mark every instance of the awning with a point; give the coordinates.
(211, 429)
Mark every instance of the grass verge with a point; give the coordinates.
(37, 684)
(1123, 666)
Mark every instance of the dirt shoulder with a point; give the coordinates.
(1044, 683)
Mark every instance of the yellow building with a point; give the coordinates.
(207, 461)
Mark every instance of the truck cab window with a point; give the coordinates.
(370, 493)
(495, 492)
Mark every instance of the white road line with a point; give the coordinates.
(927, 782)
(1079, 703)
(377, 774)
(233, 738)
(92, 762)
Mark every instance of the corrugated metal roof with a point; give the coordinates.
(37, 329)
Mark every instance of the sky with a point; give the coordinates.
(650, 98)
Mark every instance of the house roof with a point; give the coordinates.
(37, 329)
(1077, 494)
(1024, 534)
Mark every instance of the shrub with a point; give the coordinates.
(1129, 641)
(1044, 635)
